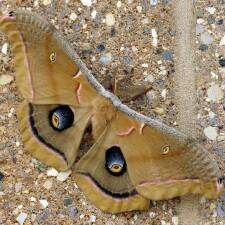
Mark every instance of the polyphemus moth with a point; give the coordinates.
(134, 159)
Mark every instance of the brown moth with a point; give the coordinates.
(134, 159)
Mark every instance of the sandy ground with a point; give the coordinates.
(134, 57)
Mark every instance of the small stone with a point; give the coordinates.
(221, 209)
(105, 59)
(202, 200)
(110, 19)
(175, 220)
(211, 10)
(215, 93)
(167, 55)
(139, 9)
(164, 93)
(153, 2)
(52, 172)
(100, 48)
(212, 206)
(199, 28)
(5, 79)
(93, 14)
(42, 216)
(18, 187)
(5, 48)
(118, 4)
(222, 62)
(158, 110)
(68, 201)
(63, 175)
(149, 78)
(33, 199)
(152, 215)
(47, 2)
(92, 219)
(206, 38)
(203, 47)
(86, 2)
(44, 203)
(222, 41)
(73, 212)
(47, 184)
(211, 133)
(21, 218)
(73, 16)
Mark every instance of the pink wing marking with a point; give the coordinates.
(27, 65)
(78, 90)
(141, 128)
(126, 133)
(77, 75)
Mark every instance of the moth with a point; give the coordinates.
(133, 159)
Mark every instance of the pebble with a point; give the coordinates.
(158, 110)
(222, 62)
(215, 93)
(47, 184)
(211, 10)
(211, 133)
(199, 28)
(152, 215)
(118, 4)
(222, 41)
(86, 2)
(5, 79)
(21, 218)
(18, 187)
(67, 201)
(221, 209)
(42, 216)
(73, 212)
(5, 48)
(155, 37)
(105, 59)
(110, 19)
(167, 55)
(73, 16)
(93, 14)
(47, 2)
(100, 48)
(63, 175)
(52, 172)
(206, 38)
(175, 220)
(139, 8)
(44, 203)
(153, 2)
(92, 219)
(163, 222)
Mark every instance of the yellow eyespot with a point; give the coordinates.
(165, 149)
(52, 57)
(55, 121)
(116, 168)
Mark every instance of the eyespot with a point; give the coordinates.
(114, 161)
(165, 149)
(61, 118)
(12, 13)
(52, 57)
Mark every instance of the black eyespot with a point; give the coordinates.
(61, 118)
(221, 180)
(11, 13)
(114, 161)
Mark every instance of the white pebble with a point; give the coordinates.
(139, 9)
(152, 215)
(5, 48)
(63, 175)
(52, 172)
(118, 4)
(175, 220)
(47, 2)
(5, 79)
(215, 93)
(109, 19)
(211, 10)
(33, 199)
(153, 2)
(222, 41)
(93, 14)
(86, 2)
(163, 93)
(44, 203)
(211, 133)
(47, 184)
(92, 219)
(21, 218)
(145, 65)
(73, 16)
